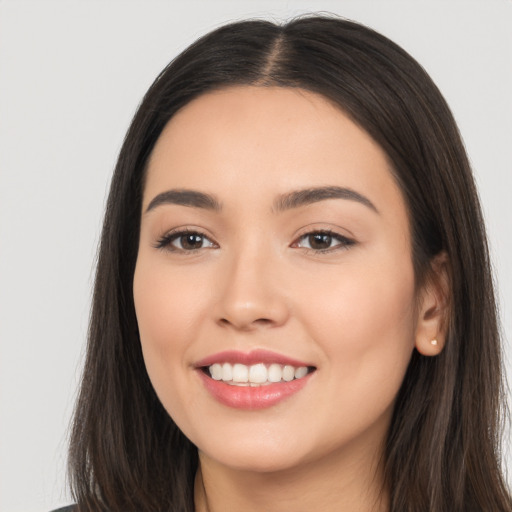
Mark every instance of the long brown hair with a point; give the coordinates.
(443, 450)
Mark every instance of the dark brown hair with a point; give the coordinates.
(442, 451)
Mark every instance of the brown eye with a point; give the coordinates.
(319, 241)
(323, 241)
(189, 241)
(185, 241)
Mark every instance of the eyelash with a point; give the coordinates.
(166, 241)
(344, 242)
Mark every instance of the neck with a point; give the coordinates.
(341, 482)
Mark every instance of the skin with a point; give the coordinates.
(352, 311)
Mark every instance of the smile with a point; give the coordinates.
(257, 374)
(254, 380)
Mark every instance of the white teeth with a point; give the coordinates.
(256, 374)
(240, 373)
(216, 371)
(227, 372)
(275, 373)
(301, 372)
(288, 373)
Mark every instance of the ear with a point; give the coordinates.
(433, 310)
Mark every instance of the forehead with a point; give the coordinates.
(266, 138)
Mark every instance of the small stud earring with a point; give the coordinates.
(434, 342)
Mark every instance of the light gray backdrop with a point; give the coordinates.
(71, 75)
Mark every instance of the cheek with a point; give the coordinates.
(365, 326)
(167, 302)
(366, 305)
(167, 320)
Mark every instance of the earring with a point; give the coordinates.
(433, 342)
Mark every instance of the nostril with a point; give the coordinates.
(248, 324)
(263, 321)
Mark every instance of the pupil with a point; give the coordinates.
(191, 241)
(320, 241)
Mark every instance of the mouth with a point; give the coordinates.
(254, 380)
(255, 375)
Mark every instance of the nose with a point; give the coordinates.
(251, 294)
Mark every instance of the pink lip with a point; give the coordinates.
(248, 397)
(252, 398)
(248, 358)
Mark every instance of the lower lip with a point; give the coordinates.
(252, 398)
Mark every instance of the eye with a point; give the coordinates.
(185, 241)
(323, 241)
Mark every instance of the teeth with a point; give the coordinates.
(227, 372)
(240, 373)
(301, 372)
(256, 374)
(275, 373)
(216, 371)
(288, 373)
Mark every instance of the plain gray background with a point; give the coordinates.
(71, 75)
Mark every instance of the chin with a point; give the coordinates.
(256, 461)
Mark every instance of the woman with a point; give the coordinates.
(293, 306)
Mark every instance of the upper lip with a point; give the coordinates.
(249, 358)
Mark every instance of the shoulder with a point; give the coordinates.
(69, 508)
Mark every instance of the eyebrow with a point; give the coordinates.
(313, 195)
(288, 201)
(191, 198)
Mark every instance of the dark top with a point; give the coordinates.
(69, 508)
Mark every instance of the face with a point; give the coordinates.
(274, 286)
